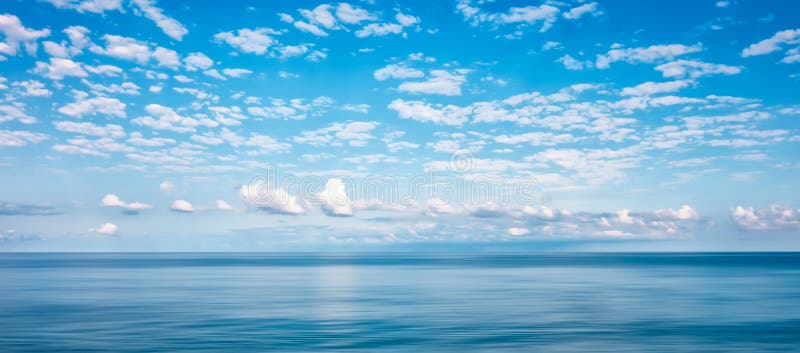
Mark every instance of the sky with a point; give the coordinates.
(144, 125)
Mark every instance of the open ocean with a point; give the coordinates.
(221, 302)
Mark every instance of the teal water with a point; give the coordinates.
(687, 302)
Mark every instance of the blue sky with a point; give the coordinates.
(578, 125)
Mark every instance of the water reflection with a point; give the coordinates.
(399, 303)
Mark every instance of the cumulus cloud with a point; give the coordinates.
(223, 206)
(546, 15)
(515, 231)
(397, 72)
(197, 61)
(165, 118)
(334, 200)
(651, 88)
(15, 34)
(426, 112)
(91, 129)
(59, 68)
(170, 26)
(551, 222)
(111, 200)
(15, 112)
(651, 54)
(124, 48)
(577, 12)
(441, 82)
(350, 14)
(571, 63)
(774, 218)
(92, 6)
(105, 228)
(379, 30)
(182, 206)
(271, 199)
(356, 134)
(695, 69)
(774, 43)
(236, 73)
(310, 28)
(247, 40)
(19, 138)
(84, 106)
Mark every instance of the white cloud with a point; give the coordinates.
(58, 68)
(352, 15)
(356, 134)
(91, 129)
(93, 6)
(774, 218)
(166, 186)
(406, 20)
(223, 206)
(442, 82)
(11, 112)
(545, 14)
(107, 70)
(288, 51)
(270, 199)
(111, 200)
(169, 25)
(215, 74)
(197, 61)
(105, 228)
(334, 200)
(651, 88)
(310, 28)
(295, 109)
(247, 40)
(236, 73)
(79, 40)
(167, 119)
(320, 15)
(536, 138)
(379, 30)
(571, 63)
(425, 112)
(15, 33)
(137, 139)
(695, 69)
(124, 48)
(774, 43)
(579, 11)
(11, 138)
(182, 206)
(651, 54)
(686, 212)
(167, 58)
(33, 88)
(99, 147)
(356, 108)
(93, 106)
(518, 231)
(397, 72)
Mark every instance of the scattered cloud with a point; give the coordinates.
(111, 200)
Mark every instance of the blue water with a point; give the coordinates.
(400, 303)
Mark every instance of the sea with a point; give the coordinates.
(399, 302)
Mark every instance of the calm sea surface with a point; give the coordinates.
(400, 303)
